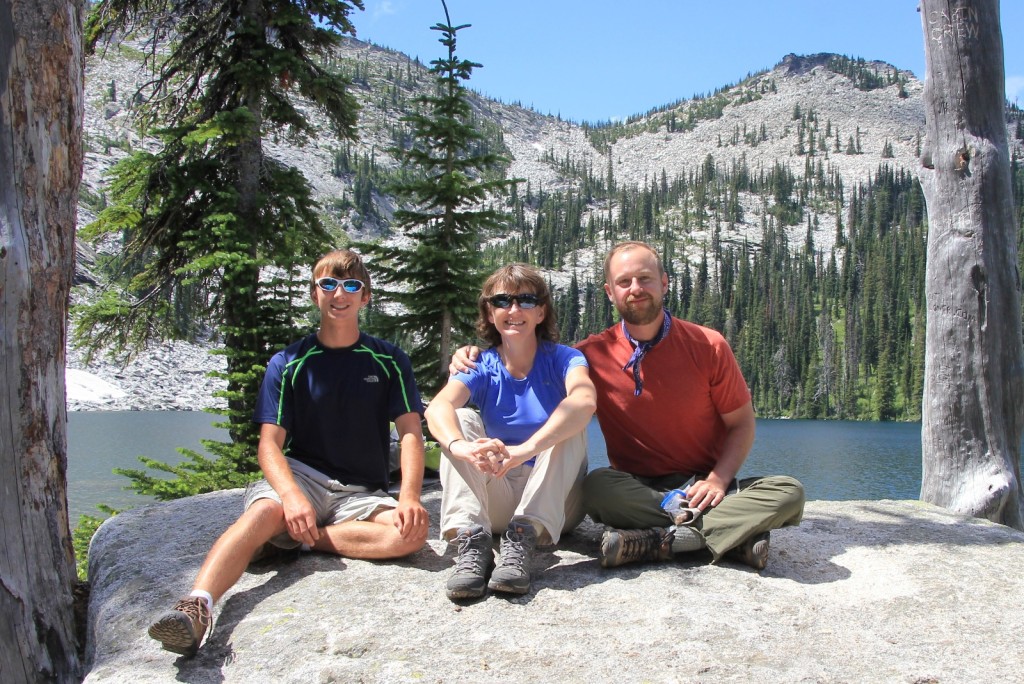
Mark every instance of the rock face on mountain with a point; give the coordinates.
(537, 143)
(862, 591)
(820, 115)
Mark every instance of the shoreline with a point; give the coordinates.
(171, 376)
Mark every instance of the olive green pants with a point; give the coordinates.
(625, 501)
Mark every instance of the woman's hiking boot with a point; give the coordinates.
(512, 575)
(474, 562)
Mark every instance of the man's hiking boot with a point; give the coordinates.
(475, 560)
(512, 575)
(181, 629)
(752, 552)
(619, 547)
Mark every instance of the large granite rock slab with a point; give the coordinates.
(862, 591)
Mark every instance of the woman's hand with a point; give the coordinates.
(487, 454)
(516, 456)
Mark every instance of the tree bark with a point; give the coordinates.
(973, 408)
(243, 300)
(41, 73)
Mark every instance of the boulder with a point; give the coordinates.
(861, 591)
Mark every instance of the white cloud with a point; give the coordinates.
(383, 9)
(1015, 89)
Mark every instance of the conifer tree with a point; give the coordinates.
(435, 280)
(209, 221)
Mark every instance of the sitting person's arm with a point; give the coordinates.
(486, 454)
(410, 515)
(740, 425)
(569, 418)
(298, 513)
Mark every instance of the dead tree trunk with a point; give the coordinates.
(40, 170)
(973, 409)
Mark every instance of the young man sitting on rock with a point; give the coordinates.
(324, 409)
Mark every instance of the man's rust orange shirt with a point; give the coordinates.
(690, 378)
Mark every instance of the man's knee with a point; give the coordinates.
(262, 521)
(592, 488)
(790, 489)
(788, 495)
(598, 480)
(262, 513)
(606, 490)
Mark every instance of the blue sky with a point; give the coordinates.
(593, 60)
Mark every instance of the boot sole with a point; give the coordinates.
(459, 594)
(174, 637)
(508, 588)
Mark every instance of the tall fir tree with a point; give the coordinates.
(214, 229)
(434, 281)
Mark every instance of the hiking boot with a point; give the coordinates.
(512, 575)
(752, 552)
(181, 629)
(619, 547)
(472, 565)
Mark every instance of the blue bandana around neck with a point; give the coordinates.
(640, 350)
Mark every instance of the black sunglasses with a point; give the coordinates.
(504, 301)
(328, 284)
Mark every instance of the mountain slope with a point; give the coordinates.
(645, 149)
(799, 157)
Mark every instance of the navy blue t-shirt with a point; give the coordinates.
(336, 405)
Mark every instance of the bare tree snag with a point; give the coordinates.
(973, 408)
(41, 73)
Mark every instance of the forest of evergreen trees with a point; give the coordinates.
(830, 331)
(834, 332)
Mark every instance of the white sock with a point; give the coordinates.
(686, 538)
(206, 596)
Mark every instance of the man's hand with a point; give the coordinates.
(705, 494)
(411, 519)
(300, 518)
(464, 359)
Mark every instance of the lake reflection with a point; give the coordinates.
(836, 460)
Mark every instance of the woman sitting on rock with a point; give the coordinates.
(516, 464)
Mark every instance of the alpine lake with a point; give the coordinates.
(835, 460)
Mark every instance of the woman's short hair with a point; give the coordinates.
(516, 279)
(340, 263)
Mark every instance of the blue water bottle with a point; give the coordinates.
(677, 505)
(674, 501)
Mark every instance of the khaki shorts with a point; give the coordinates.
(331, 504)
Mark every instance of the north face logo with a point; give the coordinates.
(371, 378)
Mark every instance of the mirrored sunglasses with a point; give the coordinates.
(504, 301)
(328, 284)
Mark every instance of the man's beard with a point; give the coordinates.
(650, 312)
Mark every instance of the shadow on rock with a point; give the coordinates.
(217, 651)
